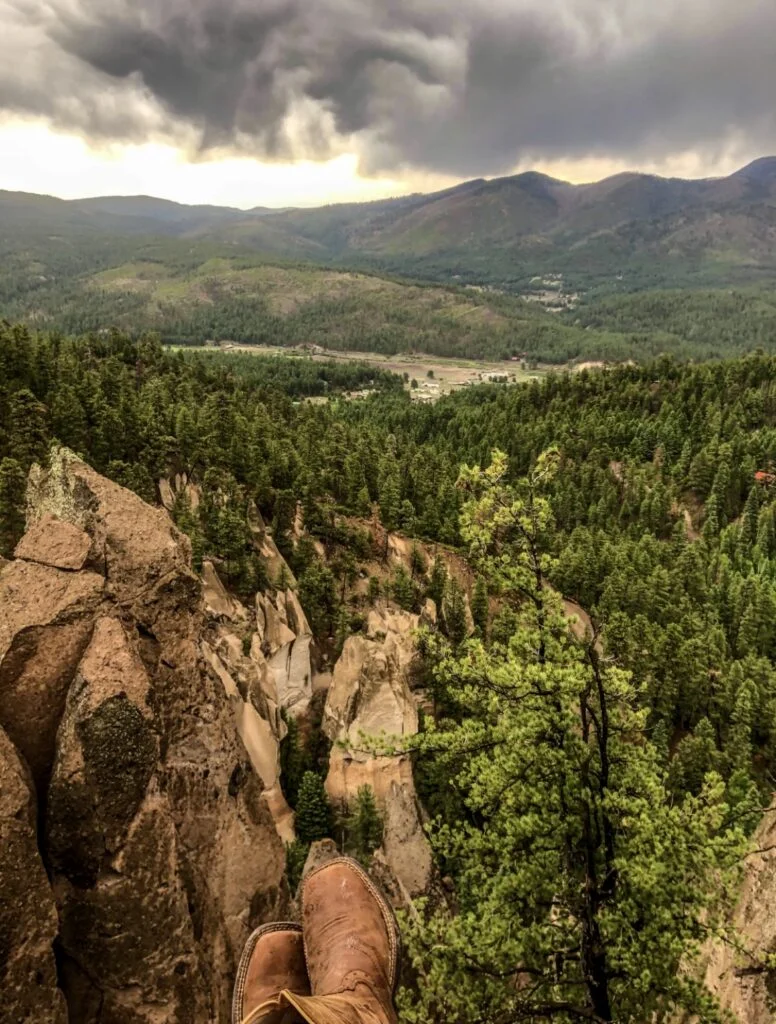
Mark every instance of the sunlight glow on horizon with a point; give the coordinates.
(37, 159)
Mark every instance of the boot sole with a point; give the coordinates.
(245, 959)
(389, 918)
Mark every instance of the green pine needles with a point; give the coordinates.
(583, 888)
(313, 810)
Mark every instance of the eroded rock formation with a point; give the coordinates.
(745, 985)
(121, 741)
(234, 646)
(370, 699)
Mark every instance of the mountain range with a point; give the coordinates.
(634, 229)
(623, 268)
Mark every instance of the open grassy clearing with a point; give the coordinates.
(435, 375)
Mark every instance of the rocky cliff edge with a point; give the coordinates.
(137, 841)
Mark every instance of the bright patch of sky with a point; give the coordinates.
(35, 158)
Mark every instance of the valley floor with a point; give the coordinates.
(435, 375)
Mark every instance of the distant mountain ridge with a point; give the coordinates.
(639, 229)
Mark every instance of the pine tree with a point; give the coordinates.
(389, 490)
(68, 420)
(28, 428)
(12, 490)
(296, 858)
(407, 519)
(318, 595)
(374, 591)
(575, 856)
(418, 563)
(480, 607)
(456, 625)
(712, 523)
(437, 583)
(294, 760)
(750, 517)
(696, 756)
(402, 588)
(364, 826)
(313, 810)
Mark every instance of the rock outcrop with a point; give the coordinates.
(286, 641)
(157, 834)
(370, 699)
(179, 486)
(233, 648)
(745, 986)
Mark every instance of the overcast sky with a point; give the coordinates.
(275, 102)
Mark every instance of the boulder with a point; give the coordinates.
(106, 755)
(138, 546)
(125, 926)
(28, 916)
(52, 542)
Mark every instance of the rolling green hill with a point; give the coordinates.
(215, 297)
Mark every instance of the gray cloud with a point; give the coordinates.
(464, 87)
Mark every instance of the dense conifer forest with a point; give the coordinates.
(592, 793)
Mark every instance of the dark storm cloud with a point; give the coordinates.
(465, 87)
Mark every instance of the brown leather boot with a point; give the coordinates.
(272, 962)
(351, 943)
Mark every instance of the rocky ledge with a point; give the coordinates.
(137, 843)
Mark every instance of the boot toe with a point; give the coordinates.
(273, 961)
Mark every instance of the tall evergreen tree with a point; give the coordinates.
(570, 868)
(364, 826)
(313, 811)
(480, 606)
(12, 490)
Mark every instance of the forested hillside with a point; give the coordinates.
(192, 296)
(592, 794)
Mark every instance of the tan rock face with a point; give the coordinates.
(370, 698)
(53, 542)
(286, 641)
(46, 619)
(159, 839)
(750, 994)
(28, 917)
(250, 686)
(106, 755)
(217, 601)
(139, 546)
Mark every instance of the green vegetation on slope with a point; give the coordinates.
(704, 324)
(192, 296)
